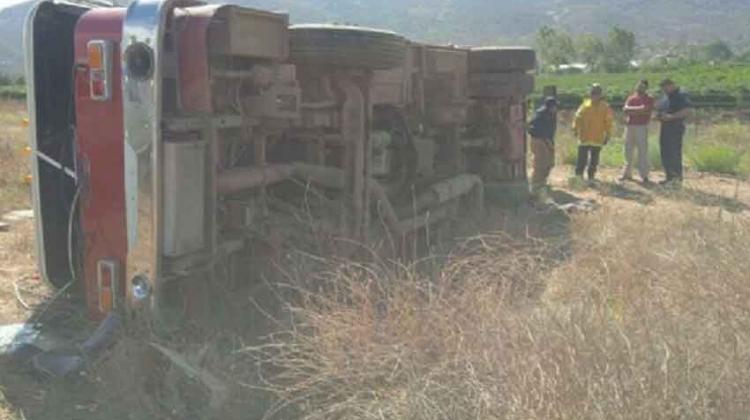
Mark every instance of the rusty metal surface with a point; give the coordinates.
(192, 55)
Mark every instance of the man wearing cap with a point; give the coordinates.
(638, 109)
(672, 114)
(593, 128)
(542, 129)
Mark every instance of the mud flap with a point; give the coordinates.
(29, 347)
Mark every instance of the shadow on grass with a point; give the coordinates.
(623, 192)
(541, 229)
(703, 199)
(563, 197)
(610, 189)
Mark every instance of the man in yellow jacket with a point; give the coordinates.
(593, 128)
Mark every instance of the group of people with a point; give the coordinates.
(592, 126)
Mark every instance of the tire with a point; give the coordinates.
(346, 46)
(500, 85)
(501, 60)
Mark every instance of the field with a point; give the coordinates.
(636, 309)
(12, 92)
(695, 78)
(725, 85)
(713, 144)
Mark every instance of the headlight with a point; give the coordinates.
(140, 288)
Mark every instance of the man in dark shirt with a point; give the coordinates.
(672, 114)
(542, 130)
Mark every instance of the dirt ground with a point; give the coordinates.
(106, 391)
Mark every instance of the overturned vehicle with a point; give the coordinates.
(168, 134)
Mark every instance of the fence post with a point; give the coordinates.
(550, 90)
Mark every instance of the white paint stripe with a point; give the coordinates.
(56, 164)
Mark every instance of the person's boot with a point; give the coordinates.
(542, 200)
(534, 193)
(592, 177)
(625, 177)
(576, 181)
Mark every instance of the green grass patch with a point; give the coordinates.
(716, 158)
(612, 155)
(13, 92)
(721, 148)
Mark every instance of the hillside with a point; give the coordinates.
(484, 21)
(12, 18)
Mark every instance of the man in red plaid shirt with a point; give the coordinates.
(638, 109)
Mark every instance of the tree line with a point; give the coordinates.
(617, 51)
(611, 54)
(6, 80)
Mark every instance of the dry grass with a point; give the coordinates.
(19, 285)
(6, 413)
(641, 323)
(14, 164)
(16, 246)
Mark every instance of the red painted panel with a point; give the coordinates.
(192, 44)
(100, 157)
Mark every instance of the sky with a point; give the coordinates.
(8, 3)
